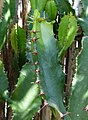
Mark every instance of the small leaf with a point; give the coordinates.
(14, 40)
(33, 4)
(41, 5)
(66, 33)
(36, 14)
(21, 36)
(38, 4)
(51, 9)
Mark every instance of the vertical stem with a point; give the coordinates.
(70, 68)
(11, 67)
(1, 7)
(16, 11)
(7, 58)
(24, 14)
(70, 63)
(45, 113)
(2, 110)
(2, 104)
(9, 114)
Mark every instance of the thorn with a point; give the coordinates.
(43, 107)
(37, 81)
(36, 63)
(42, 93)
(86, 108)
(34, 31)
(34, 39)
(35, 53)
(64, 114)
(37, 70)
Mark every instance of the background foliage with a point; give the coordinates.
(35, 58)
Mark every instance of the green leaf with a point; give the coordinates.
(3, 81)
(51, 9)
(84, 23)
(51, 74)
(26, 99)
(41, 5)
(33, 4)
(18, 43)
(85, 4)
(84, 18)
(14, 40)
(79, 98)
(38, 4)
(7, 16)
(64, 6)
(21, 36)
(66, 33)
